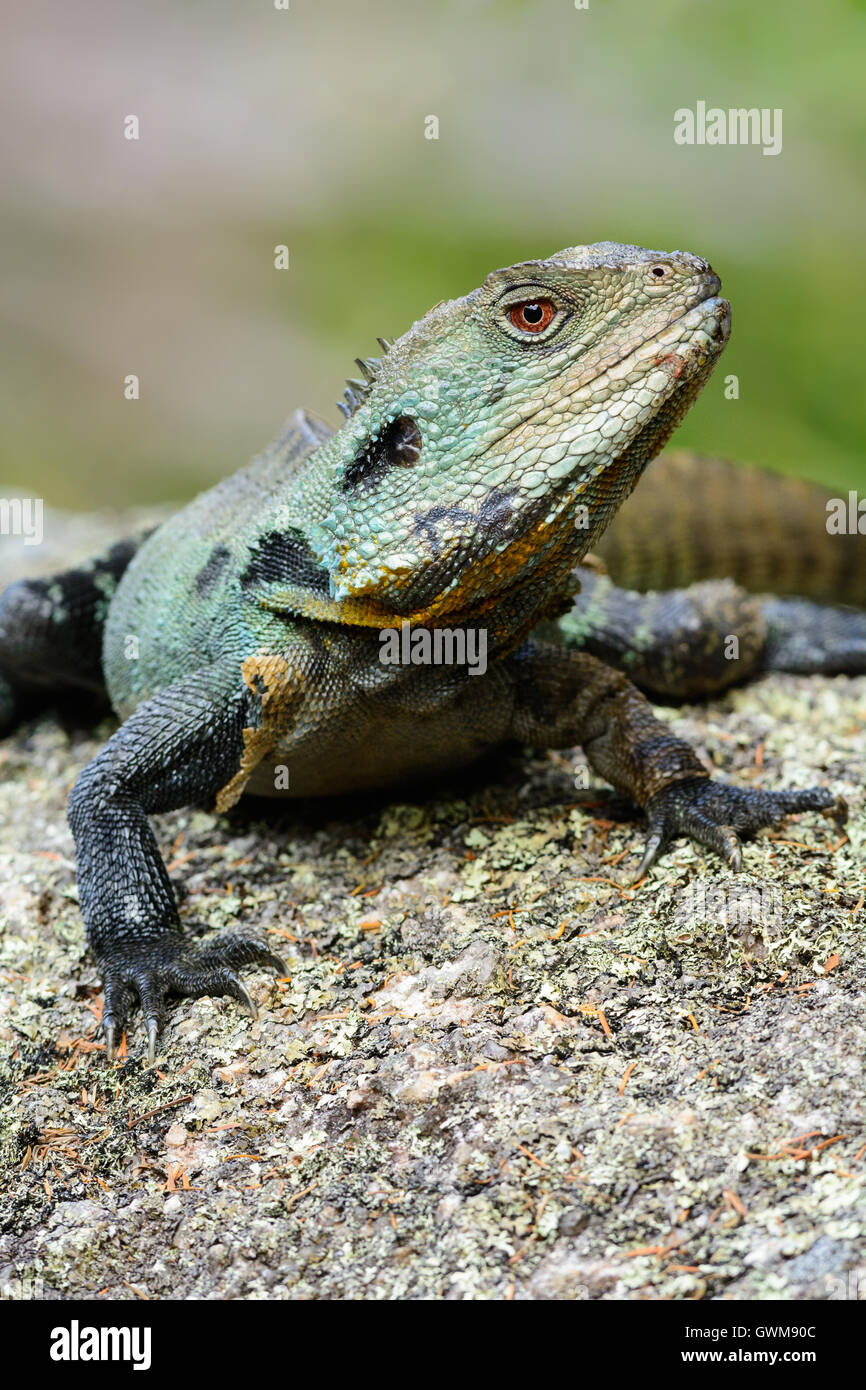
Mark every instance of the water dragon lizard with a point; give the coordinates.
(470, 487)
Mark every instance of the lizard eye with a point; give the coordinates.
(660, 272)
(533, 316)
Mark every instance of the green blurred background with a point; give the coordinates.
(306, 127)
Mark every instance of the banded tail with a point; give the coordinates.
(693, 518)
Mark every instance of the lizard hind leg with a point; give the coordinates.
(51, 635)
(562, 698)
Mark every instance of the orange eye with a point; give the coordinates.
(533, 316)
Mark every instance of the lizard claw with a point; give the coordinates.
(163, 966)
(654, 845)
(715, 815)
(837, 811)
(242, 994)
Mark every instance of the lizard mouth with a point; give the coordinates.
(708, 339)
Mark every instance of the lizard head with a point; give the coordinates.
(488, 448)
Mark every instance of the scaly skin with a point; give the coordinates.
(482, 457)
(698, 518)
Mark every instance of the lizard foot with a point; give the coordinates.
(167, 966)
(715, 814)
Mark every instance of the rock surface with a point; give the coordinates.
(495, 1070)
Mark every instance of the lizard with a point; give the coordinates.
(481, 459)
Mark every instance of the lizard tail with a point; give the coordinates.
(694, 518)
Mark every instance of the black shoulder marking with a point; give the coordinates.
(399, 444)
(211, 570)
(284, 557)
(115, 560)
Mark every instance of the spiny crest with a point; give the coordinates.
(357, 390)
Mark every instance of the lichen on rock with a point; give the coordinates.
(495, 1070)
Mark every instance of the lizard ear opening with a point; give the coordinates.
(397, 445)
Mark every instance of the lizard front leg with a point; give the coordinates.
(563, 698)
(180, 747)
